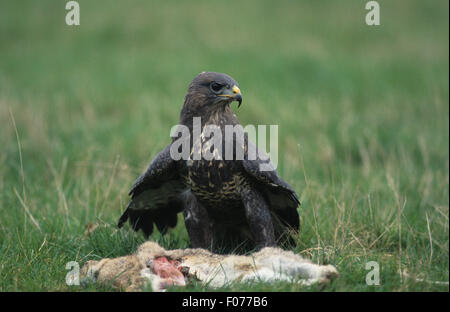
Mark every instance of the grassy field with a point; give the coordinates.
(363, 115)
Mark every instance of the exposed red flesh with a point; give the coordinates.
(169, 270)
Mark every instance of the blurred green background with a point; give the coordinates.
(363, 115)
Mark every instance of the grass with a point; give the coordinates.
(363, 115)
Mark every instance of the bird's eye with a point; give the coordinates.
(216, 86)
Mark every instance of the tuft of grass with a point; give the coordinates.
(362, 111)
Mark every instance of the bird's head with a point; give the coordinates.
(210, 90)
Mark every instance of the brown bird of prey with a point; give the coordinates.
(225, 203)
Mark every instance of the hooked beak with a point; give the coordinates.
(234, 94)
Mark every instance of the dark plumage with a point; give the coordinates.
(224, 202)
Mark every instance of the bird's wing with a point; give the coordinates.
(282, 198)
(156, 196)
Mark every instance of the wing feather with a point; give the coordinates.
(282, 198)
(156, 196)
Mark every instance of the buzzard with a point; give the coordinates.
(225, 203)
